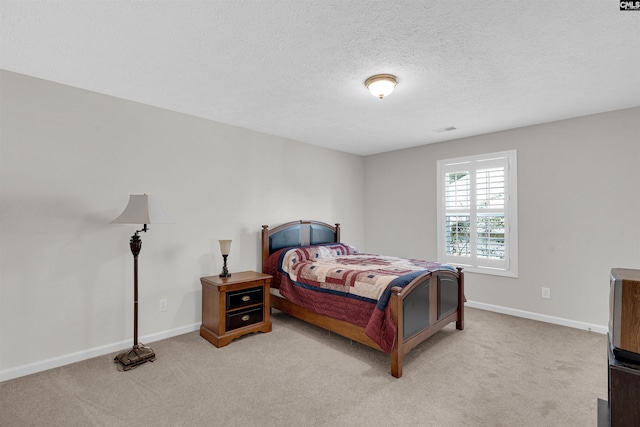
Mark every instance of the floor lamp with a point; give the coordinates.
(142, 209)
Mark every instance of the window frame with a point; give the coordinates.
(507, 267)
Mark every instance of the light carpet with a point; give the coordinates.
(500, 371)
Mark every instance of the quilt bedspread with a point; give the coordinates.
(338, 281)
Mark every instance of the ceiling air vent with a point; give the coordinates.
(447, 129)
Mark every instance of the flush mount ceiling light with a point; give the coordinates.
(381, 85)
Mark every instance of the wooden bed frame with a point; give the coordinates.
(419, 310)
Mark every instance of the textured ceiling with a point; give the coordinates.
(296, 68)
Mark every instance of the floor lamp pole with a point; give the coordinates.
(140, 353)
(136, 244)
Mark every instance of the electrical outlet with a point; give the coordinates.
(546, 293)
(163, 305)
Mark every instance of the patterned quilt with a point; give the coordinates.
(338, 281)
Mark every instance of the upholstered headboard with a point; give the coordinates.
(297, 233)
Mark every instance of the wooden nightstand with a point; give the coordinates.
(234, 306)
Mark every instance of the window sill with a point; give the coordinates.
(488, 271)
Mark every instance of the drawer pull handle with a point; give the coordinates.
(246, 298)
(245, 317)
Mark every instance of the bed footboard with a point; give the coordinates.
(422, 308)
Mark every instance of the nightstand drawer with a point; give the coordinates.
(245, 297)
(242, 318)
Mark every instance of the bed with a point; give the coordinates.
(423, 297)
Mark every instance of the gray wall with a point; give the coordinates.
(69, 160)
(579, 207)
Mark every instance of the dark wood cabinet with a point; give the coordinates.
(234, 306)
(623, 408)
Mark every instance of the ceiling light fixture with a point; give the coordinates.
(381, 85)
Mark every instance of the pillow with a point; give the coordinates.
(332, 249)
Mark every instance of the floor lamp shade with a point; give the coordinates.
(143, 209)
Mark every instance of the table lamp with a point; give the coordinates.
(225, 247)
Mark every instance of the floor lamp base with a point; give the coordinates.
(138, 355)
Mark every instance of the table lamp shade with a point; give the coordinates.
(225, 246)
(143, 209)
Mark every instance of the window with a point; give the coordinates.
(478, 213)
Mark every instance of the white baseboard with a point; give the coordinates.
(43, 365)
(540, 317)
